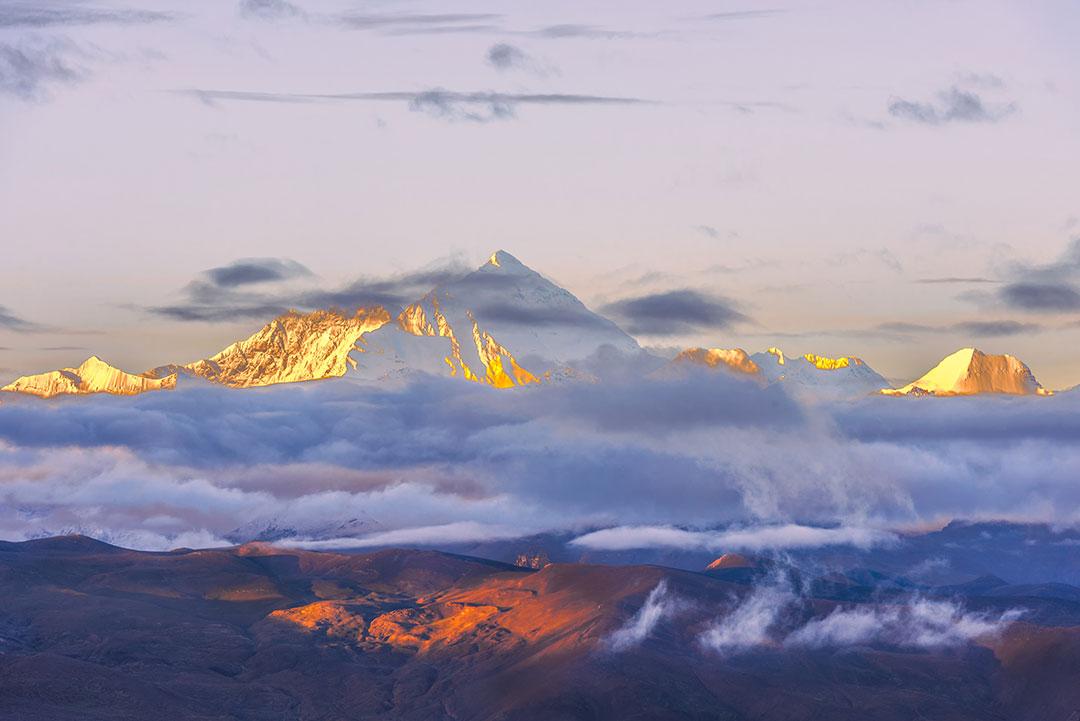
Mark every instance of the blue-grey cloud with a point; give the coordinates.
(675, 312)
(973, 328)
(45, 15)
(744, 14)
(30, 68)
(10, 321)
(224, 294)
(951, 106)
(333, 455)
(270, 9)
(503, 56)
(437, 102)
(1036, 296)
(420, 24)
(256, 270)
(1050, 288)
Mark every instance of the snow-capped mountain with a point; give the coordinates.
(969, 371)
(734, 359)
(92, 376)
(503, 324)
(293, 347)
(818, 376)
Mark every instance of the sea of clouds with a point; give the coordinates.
(703, 460)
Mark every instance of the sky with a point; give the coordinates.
(892, 180)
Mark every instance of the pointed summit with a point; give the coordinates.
(969, 371)
(503, 262)
(503, 324)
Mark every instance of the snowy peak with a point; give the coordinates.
(502, 262)
(504, 324)
(969, 371)
(293, 347)
(92, 376)
(734, 359)
(820, 376)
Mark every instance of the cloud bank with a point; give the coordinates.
(705, 461)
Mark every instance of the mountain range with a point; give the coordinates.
(259, 633)
(504, 325)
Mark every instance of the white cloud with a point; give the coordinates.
(757, 538)
(659, 604)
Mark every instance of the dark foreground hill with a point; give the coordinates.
(89, 631)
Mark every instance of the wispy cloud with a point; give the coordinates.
(760, 538)
(675, 312)
(955, 105)
(744, 14)
(45, 15)
(11, 321)
(1050, 288)
(954, 280)
(261, 288)
(439, 103)
(749, 624)
(256, 270)
(31, 67)
(659, 605)
(976, 328)
(270, 9)
(420, 24)
(919, 623)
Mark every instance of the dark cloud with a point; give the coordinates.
(1035, 296)
(270, 9)
(675, 312)
(1050, 288)
(51, 348)
(44, 15)
(507, 57)
(12, 322)
(30, 67)
(439, 103)
(222, 294)
(256, 270)
(952, 105)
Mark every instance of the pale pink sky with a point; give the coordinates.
(812, 161)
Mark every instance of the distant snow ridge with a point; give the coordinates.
(93, 376)
(735, 359)
(810, 376)
(969, 371)
(819, 376)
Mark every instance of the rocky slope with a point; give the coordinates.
(254, 633)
